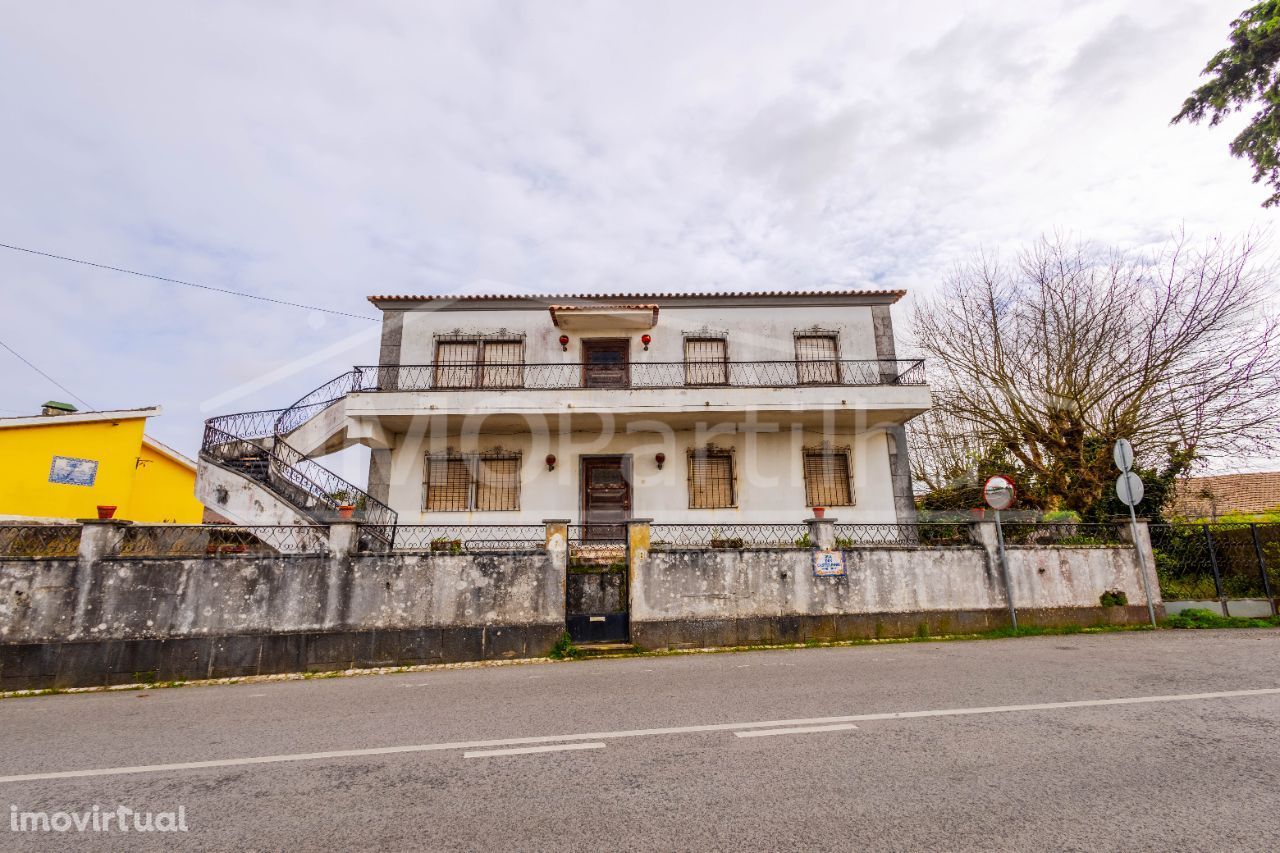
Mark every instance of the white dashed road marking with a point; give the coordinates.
(796, 730)
(527, 750)
(597, 736)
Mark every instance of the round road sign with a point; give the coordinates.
(1123, 454)
(1129, 488)
(999, 492)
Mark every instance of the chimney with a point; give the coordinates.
(53, 407)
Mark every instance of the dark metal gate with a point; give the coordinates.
(597, 590)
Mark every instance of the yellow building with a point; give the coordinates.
(64, 464)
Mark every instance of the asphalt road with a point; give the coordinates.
(1010, 744)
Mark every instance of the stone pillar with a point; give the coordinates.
(983, 533)
(557, 535)
(822, 533)
(99, 537)
(344, 538)
(344, 542)
(555, 585)
(1143, 547)
(638, 536)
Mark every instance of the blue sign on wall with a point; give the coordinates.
(73, 472)
(828, 564)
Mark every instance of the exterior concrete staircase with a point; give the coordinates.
(251, 473)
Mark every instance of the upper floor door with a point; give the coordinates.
(606, 363)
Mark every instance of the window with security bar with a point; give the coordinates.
(827, 477)
(458, 482)
(711, 479)
(816, 362)
(479, 363)
(706, 361)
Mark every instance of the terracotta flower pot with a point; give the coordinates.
(105, 511)
(819, 512)
(346, 510)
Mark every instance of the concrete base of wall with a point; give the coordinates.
(773, 630)
(1248, 608)
(40, 666)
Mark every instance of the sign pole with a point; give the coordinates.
(1004, 567)
(1142, 560)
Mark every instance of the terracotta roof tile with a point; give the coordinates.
(555, 297)
(1209, 497)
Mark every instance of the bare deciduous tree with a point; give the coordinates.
(1052, 358)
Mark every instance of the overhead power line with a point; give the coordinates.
(185, 283)
(45, 375)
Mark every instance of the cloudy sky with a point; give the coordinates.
(319, 153)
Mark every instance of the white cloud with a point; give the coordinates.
(323, 152)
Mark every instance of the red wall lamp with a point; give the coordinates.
(551, 462)
(660, 458)
(564, 342)
(646, 340)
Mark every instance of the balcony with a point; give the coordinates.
(873, 391)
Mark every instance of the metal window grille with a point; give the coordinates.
(458, 482)
(448, 484)
(827, 478)
(503, 364)
(456, 363)
(479, 363)
(706, 361)
(816, 360)
(497, 482)
(710, 479)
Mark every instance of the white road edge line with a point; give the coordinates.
(593, 736)
(801, 730)
(529, 750)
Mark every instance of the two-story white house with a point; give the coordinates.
(711, 407)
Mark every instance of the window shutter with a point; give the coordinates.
(710, 480)
(456, 363)
(816, 360)
(705, 361)
(448, 484)
(826, 478)
(497, 356)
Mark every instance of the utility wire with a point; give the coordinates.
(185, 283)
(45, 375)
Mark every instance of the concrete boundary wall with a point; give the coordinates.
(750, 597)
(102, 619)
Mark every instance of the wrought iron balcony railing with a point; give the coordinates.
(470, 376)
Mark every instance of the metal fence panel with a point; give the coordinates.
(39, 540)
(1206, 561)
(221, 540)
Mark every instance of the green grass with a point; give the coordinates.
(1199, 618)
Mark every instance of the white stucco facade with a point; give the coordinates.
(763, 415)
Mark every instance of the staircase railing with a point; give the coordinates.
(301, 481)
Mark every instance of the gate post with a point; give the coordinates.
(556, 587)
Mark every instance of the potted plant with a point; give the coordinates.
(345, 511)
(106, 511)
(819, 512)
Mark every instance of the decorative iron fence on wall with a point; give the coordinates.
(1224, 560)
(668, 537)
(39, 540)
(470, 538)
(221, 540)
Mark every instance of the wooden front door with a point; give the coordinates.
(606, 363)
(606, 498)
